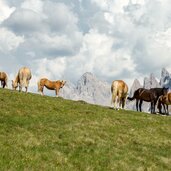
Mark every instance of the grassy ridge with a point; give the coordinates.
(48, 133)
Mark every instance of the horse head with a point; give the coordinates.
(165, 90)
(14, 85)
(62, 83)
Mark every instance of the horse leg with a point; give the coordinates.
(140, 104)
(3, 84)
(20, 88)
(57, 91)
(152, 107)
(26, 89)
(118, 102)
(123, 102)
(167, 108)
(159, 106)
(137, 104)
(41, 90)
(113, 100)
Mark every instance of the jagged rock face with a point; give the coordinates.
(151, 82)
(92, 90)
(165, 80)
(69, 91)
(132, 104)
(89, 89)
(136, 85)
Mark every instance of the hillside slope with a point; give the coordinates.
(48, 133)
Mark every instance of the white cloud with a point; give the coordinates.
(34, 5)
(5, 10)
(9, 41)
(113, 39)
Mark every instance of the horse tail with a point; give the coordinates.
(131, 98)
(38, 85)
(114, 91)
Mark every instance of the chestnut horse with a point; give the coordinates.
(119, 90)
(148, 95)
(3, 79)
(51, 85)
(22, 79)
(165, 101)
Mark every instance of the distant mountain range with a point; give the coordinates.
(92, 90)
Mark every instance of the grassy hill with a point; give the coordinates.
(49, 133)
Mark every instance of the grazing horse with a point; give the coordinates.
(3, 79)
(22, 79)
(51, 85)
(165, 101)
(151, 95)
(119, 90)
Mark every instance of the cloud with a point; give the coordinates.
(9, 41)
(113, 39)
(5, 10)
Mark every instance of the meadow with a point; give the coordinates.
(49, 133)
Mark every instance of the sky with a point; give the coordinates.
(63, 39)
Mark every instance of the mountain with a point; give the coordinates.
(151, 82)
(165, 80)
(92, 90)
(131, 104)
(88, 88)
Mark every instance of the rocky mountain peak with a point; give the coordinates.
(136, 85)
(165, 80)
(164, 72)
(151, 82)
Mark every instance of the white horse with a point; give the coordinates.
(22, 79)
(119, 90)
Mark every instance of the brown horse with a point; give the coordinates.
(22, 79)
(3, 79)
(151, 95)
(165, 101)
(51, 85)
(119, 90)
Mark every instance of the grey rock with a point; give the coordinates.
(165, 80)
(92, 90)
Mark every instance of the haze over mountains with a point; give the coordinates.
(92, 90)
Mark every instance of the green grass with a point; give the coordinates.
(49, 133)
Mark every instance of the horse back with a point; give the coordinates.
(24, 74)
(3, 76)
(119, 87)
(49, 84)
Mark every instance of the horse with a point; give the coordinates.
(165, 101)
(3, 79)
(51, 85)
(119, 90)
(22, 79)
(148, 95)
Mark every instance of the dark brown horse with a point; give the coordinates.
(151, 96)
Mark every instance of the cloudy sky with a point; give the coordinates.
(62, 39)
